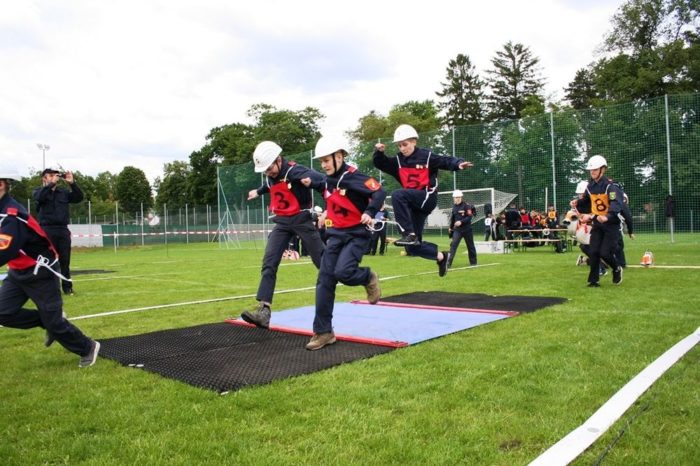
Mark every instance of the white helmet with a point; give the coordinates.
(596, 161)
(581, 187)
(265, 155)
(457, 193)
(329, 145)
(404, 132)
(8, 175)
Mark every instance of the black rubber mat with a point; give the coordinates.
(225, 357)
(476, 301)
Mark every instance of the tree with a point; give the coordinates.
(653, 47)
(294, 131)
(514, 78)
(462, 93)
(133, 189)
(174, 190)
(423, 116)
(581, 92)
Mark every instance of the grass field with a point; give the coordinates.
(496, 394)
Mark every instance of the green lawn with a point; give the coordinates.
(496, 394)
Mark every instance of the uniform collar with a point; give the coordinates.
(4, 201)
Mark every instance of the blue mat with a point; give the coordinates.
(389, 324)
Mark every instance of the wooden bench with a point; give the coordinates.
(522, 244)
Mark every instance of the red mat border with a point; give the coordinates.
(338, 336)
(439, 308)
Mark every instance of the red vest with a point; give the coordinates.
(340, 210)
(282, 200)
(24, 261)
(417, 177)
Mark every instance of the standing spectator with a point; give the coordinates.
(32, 261)
(352, 201)
(54, 215)
(600, 205)
(379, 236)
(290, 202)
(461, 227)
(489, 227)
(416, 169)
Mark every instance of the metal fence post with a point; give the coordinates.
(554, 171)
(668, 159)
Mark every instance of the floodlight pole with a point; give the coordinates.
(43, 148)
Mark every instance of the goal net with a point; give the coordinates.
(484, 199)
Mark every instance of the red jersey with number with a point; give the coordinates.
(417, 177)
(283, 202)
(341, 212)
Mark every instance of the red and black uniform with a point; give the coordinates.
(54, 215)
(464, 213)
(602, 197)
(32, 263)
(348, 194)
(290, 202)
(412, 204)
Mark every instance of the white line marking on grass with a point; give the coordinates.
(665, 266)
(231, 298)
(284, 264)
(571, 446)
(459, 268)
(81, 280)
(188, 303)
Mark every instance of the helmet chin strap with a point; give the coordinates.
(335, 164)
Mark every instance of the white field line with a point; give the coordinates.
(187, 303)
(232, 298)
(572, 445)
(666, 266)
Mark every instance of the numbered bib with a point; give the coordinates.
(600, 204)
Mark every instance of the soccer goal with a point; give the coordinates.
(481, 198)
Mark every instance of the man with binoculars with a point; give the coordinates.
(54, 215)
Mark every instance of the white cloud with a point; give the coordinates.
(110, 84)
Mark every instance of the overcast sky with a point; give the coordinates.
(108, 84)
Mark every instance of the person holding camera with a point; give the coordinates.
(54, 214)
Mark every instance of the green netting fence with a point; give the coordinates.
(652, 148)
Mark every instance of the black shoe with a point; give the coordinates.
(594, 285)
(617, 276)
(442, 265)
(48, 340)
(407, 240)
(69, 292)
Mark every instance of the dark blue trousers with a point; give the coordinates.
(411, 209)
(44, 291)
(468, 236)
(604, 242)
(340, 263)
(284, 230)
(60, 236)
